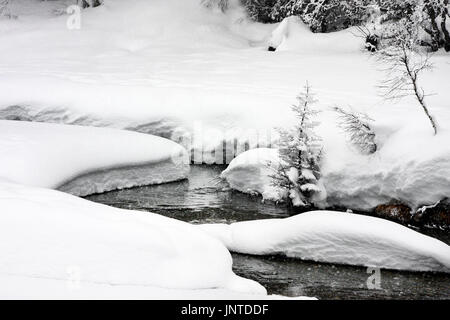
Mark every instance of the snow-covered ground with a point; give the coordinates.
(337, 237)
(173, 68)
(196, 76)
(86, 160)
(361, 182)
(54, 241)
(251, 173)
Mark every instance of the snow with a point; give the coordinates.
(49, 289)
(293, 35)
(251, 173)
(175, 69)
(55, 239)
(334, 237)
(410, 168)
(86, 160)
(201, 77)
(356, 181)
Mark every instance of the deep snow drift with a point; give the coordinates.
(334, 237)
(202, 77)
(86, 160)
(51, 238)
(362, 182)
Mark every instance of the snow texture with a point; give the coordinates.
(293, 35)
(52, 289)
(251, 173)
(356, 181)
(86, 160)
(334, 237)
(210, 72)
(49, 237)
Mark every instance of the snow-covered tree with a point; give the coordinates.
(357, 126)
(430, 16)
(300, 153)
(433, 21)
(404, 65)
(319, 15)
(332, 15)
(426, 18)
(261, 10)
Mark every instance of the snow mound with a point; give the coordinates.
(411, 167)
(85, 160)
(397, 172)
(50, 235)
(293, 35)
(334, 237)
(251, 172)
(209, 75)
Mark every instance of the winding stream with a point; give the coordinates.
(205, 199)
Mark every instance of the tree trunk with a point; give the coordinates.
(434, 32)
(444, 26)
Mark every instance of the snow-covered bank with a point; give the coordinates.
(86, 160)
(208, 75)
(293, 35)
(334, 237)
(251, 173)
(48, 237)
(398, 172)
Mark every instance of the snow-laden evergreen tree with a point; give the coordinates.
(300, 152)
(261, 10)
(433, 21)
(428, 18)
(357, 126)
(319, 15)
(333, 15)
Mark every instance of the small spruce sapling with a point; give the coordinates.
(357, 126)
(298, 174)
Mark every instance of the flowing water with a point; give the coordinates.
(204, 198)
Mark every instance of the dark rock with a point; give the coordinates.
(437, 215)
(395, 211)
(372, 42)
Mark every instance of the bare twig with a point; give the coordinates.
(404, 67)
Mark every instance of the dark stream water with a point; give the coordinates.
(205, 199)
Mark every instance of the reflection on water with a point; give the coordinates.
(202, 198)
(291, 277)
(205, 199)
